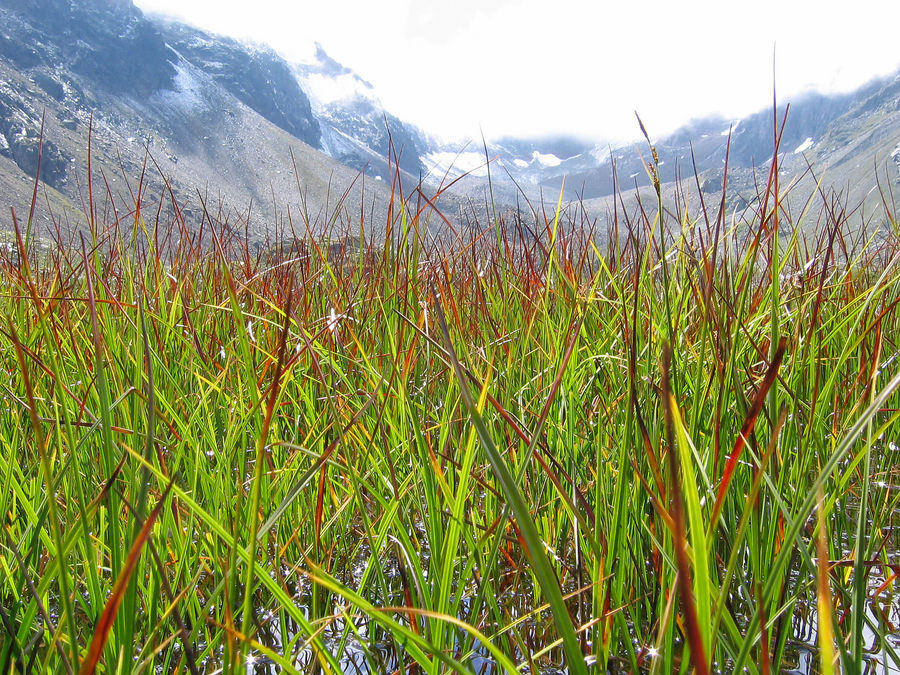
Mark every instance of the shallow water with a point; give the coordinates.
(801, 652)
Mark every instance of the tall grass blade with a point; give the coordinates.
(823, 593)
(532, 541)
(759, 402)
(681, 469)
(105, 622)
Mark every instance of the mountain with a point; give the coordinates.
(356, 128)
(235, 129)
(820, 128)
(228, 125)
(811, 120)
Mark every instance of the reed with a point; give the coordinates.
(664, 445)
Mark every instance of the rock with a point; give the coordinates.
(711, 185)
(50, 85)
(25, 148)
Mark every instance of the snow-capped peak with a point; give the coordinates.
(805, 145)
(325, 81)
(545, 159)
(454, 164)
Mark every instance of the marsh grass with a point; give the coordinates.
(531, 443)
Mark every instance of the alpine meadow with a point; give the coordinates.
(482, 421)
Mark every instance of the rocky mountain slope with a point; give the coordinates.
(841, 149)
(226, 125)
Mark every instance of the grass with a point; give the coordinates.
(656, 447)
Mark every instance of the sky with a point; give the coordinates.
(573, 67)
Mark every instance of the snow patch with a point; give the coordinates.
(521, 163)
(731, 129)
(4, 144)
(546, 160)
(600, 155)
(455, 164)
(188, 91)
(805, 145)
(199, 42)
(336, 143)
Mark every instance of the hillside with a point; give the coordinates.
(214, 118)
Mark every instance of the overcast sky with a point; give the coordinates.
(532, 67)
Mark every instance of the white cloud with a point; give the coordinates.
(524, 67)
